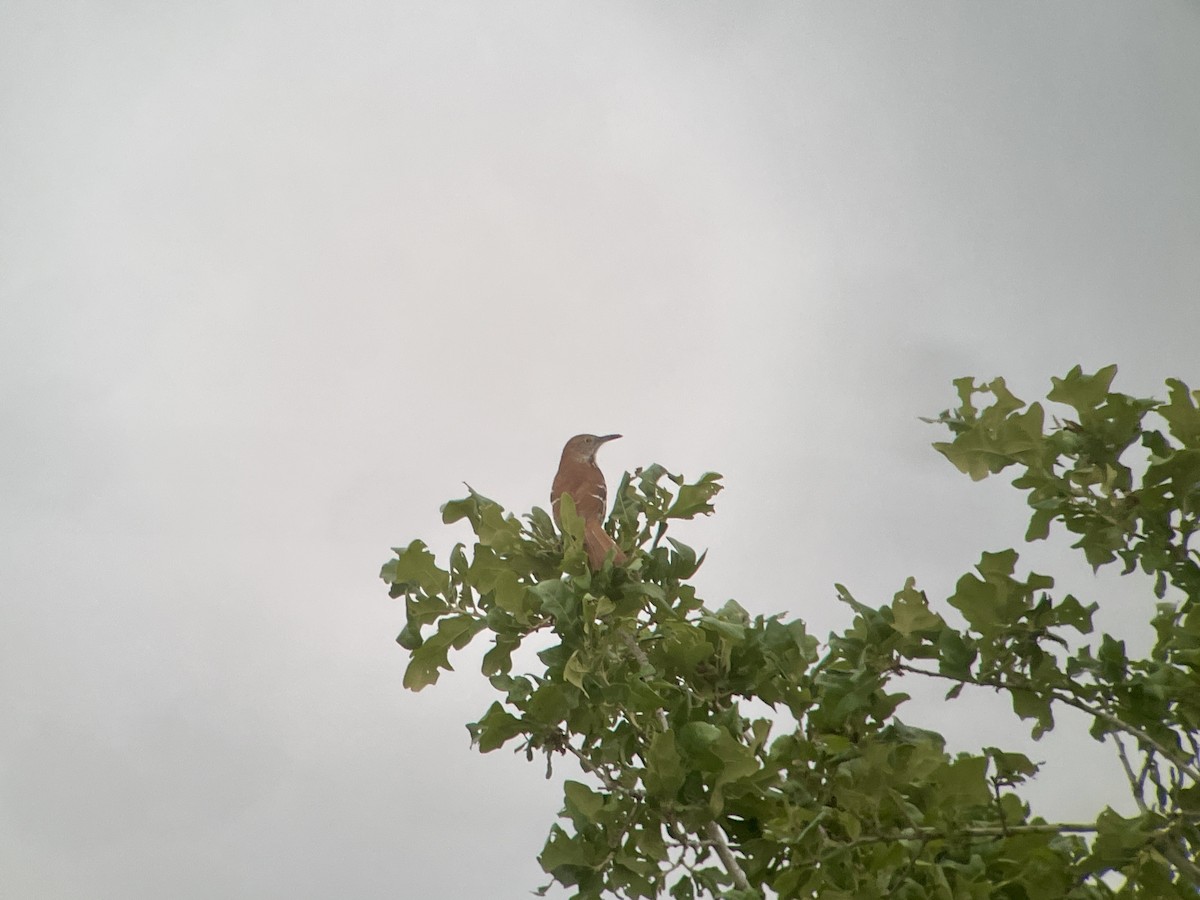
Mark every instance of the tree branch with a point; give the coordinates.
(928, 834)
(719, 843)
(1120, 724)
(1183, 862)
(1132, 730)
(713, 831)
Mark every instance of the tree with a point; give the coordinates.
(685, 795)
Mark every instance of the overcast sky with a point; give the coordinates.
(276, 278)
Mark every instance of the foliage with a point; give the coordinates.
(687, 795)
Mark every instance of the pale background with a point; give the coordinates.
(276, 278)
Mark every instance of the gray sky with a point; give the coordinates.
(276, 278)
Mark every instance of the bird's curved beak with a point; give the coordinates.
(604, 438)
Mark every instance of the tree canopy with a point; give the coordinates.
(685, 794)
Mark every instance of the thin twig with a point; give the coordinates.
(999, 805)
(811, 825)
(605, 779)
(644, 661)
(1136, 782)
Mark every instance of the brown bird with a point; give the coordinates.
(579, 476)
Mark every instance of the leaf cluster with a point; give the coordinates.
(686, 793)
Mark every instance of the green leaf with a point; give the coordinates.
(966, 390)
(541, 523)
(998, 438)
(1039, 522)
(550, 704)
(911, 613)
(684, 562)
(466, 508)
(738, 759)
(572, 523)
(496, 577)
(974, 454)
(498, 660)
(453, 632)
(415, 566)
(1113, 661)
(1029, 704)
(1083, 392)
(664, 770)
(575, 670)
(495, 728)
(693, 499)
(697, 736)
(1072, 612)
(685, 648)
(424, 667)
(955, 655)
(1181, 470)
(683, 889)
(977, 600)
(1118, 840)
(1006, 401)
(510, 595)
(1011, 767)
(581, 801)
(730, 630)
(1181, 413)
(963, 781)
(1002, 563)
(410, 636)
(487, 520)
(562, 851)
(555, 598)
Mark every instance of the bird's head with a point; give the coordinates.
(582, 448)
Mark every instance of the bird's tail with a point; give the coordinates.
(598, 543)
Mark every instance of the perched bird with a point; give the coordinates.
(579, 476)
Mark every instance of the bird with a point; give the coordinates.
(580, 477)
